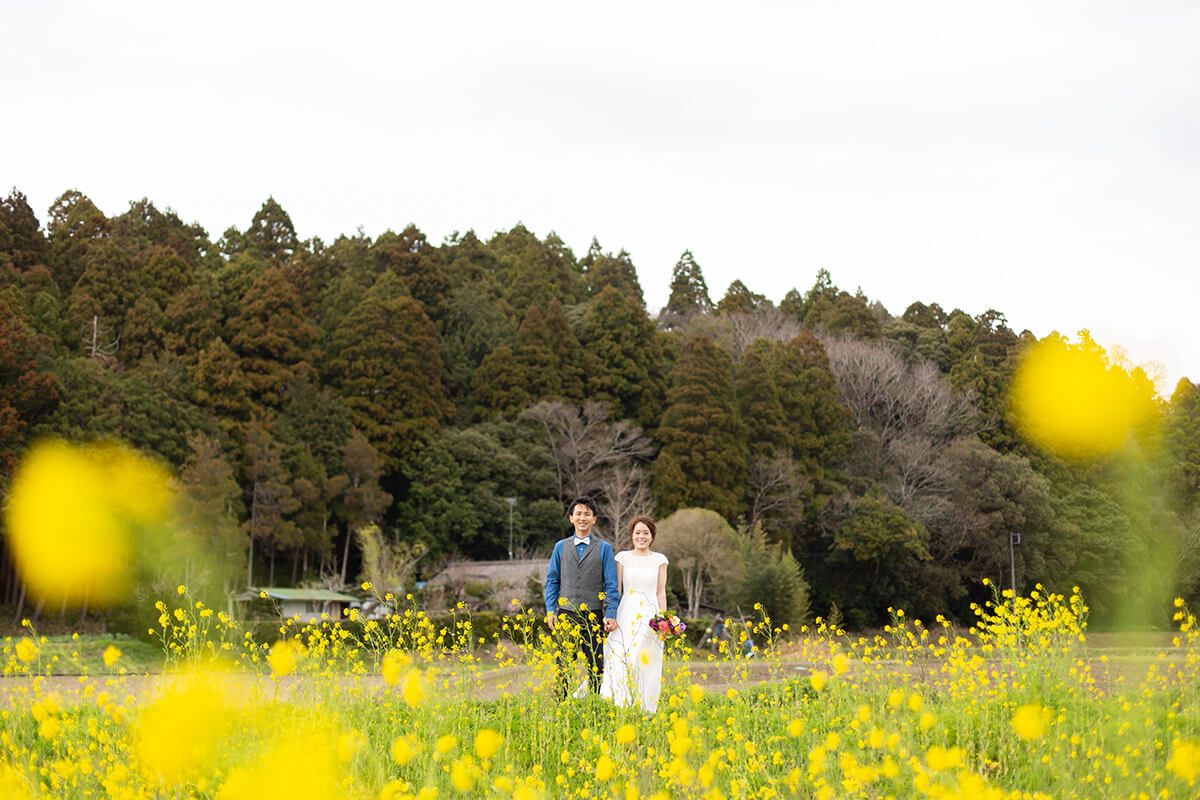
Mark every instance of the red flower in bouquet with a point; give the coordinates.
(667, 625)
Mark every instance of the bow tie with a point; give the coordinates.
(579, 541)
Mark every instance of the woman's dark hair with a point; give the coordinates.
(649, 523)
(583, 501)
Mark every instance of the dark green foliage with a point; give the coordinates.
(770, 577)
(276, 344)
(703, 457)
(383, 361)
(629, 357)
(740, 300)
(410, 256)
(271, 235)
(27, 391)
(534, 272)
(604, 270)
(689, 292)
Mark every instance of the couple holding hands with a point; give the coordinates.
(584, 580)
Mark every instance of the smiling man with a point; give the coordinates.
(580, 580)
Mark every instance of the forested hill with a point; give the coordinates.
(302, 389)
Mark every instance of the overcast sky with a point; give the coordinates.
(1042, 159)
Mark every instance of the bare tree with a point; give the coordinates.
(585, 445)
(624, 493)
(735, 331)
(893, 397)
(908, 417)
(777, 486)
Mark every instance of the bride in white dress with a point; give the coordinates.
(633, 653)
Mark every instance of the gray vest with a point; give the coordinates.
(581, 580)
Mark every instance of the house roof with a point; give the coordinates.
(290, 593)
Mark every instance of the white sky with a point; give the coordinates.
(1039, 158)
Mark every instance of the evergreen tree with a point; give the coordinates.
(143, 227)
(27, 391)
(739, 299)
(384, 363)
(219, 385)
(21, 235)
(819, 426)
(603, 270)
(105, 289)
(629, 357)
(499, 385)
(210, 508)
(188, 321)
(475, 323)
(270, 499)
(689, 292)
(275, 342)
(162, 274)
(534, 272)
(759, 401)
(271, 235)
(702, 462)
(143, 331)
(74, 224)
(418, 264)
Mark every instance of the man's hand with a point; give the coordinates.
(610, 624)
(551, 620)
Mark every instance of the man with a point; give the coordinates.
(581, 579)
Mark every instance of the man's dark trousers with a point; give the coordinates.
(576, 631)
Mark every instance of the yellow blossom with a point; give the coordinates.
(1030, 721)
(110, 655)
(413, 687)
(403, 750)
(626, 734)
(26, 650)
(1185, 760)
(72, 516)
(487, 742)
(282, 657)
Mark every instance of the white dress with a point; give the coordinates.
(633, 654)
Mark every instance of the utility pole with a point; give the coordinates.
(512, 501)
(1014, 538)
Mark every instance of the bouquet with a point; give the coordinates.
(667, 625)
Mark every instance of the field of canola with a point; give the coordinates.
(1016, 706)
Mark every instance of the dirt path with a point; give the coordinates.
(487, 684)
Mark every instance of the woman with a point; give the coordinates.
(633, 653)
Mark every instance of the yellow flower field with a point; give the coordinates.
(1016, 706)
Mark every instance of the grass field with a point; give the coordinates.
(1023, 704)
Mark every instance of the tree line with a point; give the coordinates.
(303, 390)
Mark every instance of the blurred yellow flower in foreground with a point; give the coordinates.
(26, 650)
(176, 736)
(1030, 722)
(1071, 400)
(303, 767)
(487, 742)
(13, 784)
(282, 658)
(110, 655)
(413, 687)
(73, 515)
(1185, 760)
